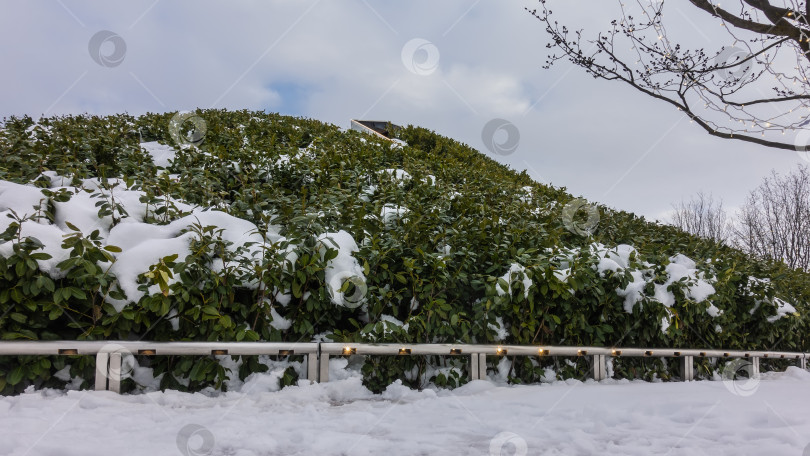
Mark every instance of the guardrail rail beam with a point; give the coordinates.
(111, 355)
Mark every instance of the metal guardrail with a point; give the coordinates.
(109, 354)
(478, 354)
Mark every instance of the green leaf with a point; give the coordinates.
(210, 310)
(89, 267)
(78, 294)
(55, 313)
(197, 373)
(296, 290)
(16, 375)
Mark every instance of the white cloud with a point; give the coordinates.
(338, 60)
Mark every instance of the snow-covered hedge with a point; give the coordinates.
(274, 228)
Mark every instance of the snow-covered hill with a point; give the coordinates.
(280, 229)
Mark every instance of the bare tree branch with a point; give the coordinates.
(753, 89)
(775, 221)
(703, 216)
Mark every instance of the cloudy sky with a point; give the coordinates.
(451, 66)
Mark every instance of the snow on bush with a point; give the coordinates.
(143, 244)
(515, 273)
(342, 268)
(681, 270)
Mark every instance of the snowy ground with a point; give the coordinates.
(343, 418)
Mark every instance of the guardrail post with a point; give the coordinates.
(686, 365)
(803, 362)
(474, 367)
(323, 369)
(755, 367)
(115, 372)
(312, 367)
(102, 372)
(598, 367)
(482, 366)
